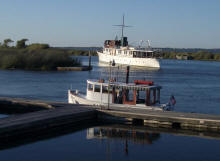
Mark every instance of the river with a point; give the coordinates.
(195, 85)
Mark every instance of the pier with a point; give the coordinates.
(165, 119)
(58, 115)
(81, 68)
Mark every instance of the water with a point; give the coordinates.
(195, 85)
(3, 116)
(115, 145)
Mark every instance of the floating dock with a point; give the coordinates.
(166, 119)
(81, 68)
(56, 115)
(33, 122)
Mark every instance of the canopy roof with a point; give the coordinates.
(120, 85)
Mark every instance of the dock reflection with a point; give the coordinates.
(142, 134)
(122, 132)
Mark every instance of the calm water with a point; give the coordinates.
(116, 144)
(195, 84)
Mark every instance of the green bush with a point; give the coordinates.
(37, 46)
(21, 59)
(201, 55)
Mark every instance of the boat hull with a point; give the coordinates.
(144, 62)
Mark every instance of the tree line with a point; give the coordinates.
(34, 56)
(200, 55)
(21, 44)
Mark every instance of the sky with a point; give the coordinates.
(85, 23)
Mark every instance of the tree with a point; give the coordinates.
(21, 43)
(6, 42)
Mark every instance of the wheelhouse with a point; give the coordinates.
(139, 92)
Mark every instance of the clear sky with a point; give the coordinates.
(167, 23)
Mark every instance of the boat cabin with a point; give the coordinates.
(139, 92)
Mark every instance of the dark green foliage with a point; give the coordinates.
(6, 42)
(217, 57)
(38, 60)
(169, 55)
(37, 46)
(21, 43)
(200, 55)
(82, 52)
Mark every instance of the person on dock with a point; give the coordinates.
(170, 105)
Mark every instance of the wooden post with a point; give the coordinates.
(154, 92)
(134, 97)
(127, 74)
(158, 95)
(148, 97)
(124, 96)
(89, 60)
(113, 95)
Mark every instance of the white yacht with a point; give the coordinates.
(120, 52)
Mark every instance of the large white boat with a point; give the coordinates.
(120, 52)
(139, 95)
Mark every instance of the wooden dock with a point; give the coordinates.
(166, 119)
(65, 115)
(57, 115)
(81, 68)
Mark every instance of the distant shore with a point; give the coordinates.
(200, 55)
(45, 58)
(38, 56)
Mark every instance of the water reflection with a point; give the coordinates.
(135, 136)
(142, 134)
(3, 115)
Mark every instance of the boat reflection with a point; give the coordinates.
(136, 136)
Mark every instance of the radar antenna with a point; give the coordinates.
(148, 44)
(141, 42)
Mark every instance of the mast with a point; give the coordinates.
(122, 26)
(122, 29)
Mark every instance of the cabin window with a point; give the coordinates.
(134, 54)
(141, 97)
(97, 88)
(143, 55)
(119, 51)
(130, 95)
(90, 87)
(105, 89)
(140, 54)
(149, 54)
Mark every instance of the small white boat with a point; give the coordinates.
(140, 94)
